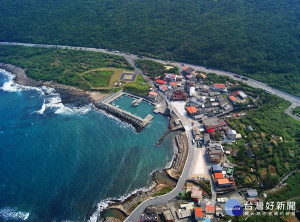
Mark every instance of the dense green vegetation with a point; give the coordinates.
(154, 69)
(289, 191)
(62, 66)
(296, 110)
(259, 38)
(275, 141)
(140, 86)
(98, 78)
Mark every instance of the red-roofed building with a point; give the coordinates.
(160, 82)
(191, 110)
(219, 87)
(163, 88)
(232, 98)
(225, 182)
(236, 93)
(218, 175)
(210, 209)
(198, 213)
(173, 84)
(152, 95)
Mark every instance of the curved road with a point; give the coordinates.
(131, 58)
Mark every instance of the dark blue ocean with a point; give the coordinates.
(59, 163)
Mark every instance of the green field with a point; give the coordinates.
(98, 78)
(255, 38)
(140, 86)
(61, 66)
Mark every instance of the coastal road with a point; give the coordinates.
(295, 100)
(135, 215)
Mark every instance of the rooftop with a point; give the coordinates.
(224, 181)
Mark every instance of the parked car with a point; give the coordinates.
(237, 76)
(244, 78)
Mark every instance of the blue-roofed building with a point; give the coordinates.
(252, 193)
(216, 168)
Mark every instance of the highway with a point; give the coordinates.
(131, 59)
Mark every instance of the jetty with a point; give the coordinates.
(136, 102)
(137, 122)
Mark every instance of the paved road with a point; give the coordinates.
(131, 58)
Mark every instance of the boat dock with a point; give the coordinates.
(134, 120)
(136, 102)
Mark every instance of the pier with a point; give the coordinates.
(134, 120)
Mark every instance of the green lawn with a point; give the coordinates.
(59, 65)
(98, 78)
(140, 86)
(296, 110)
(163, 191)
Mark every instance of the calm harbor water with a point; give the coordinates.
(58, 163)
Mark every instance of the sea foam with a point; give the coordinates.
(8, 214)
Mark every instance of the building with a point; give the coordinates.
(163, 88)
(231, 134)
(232, 99)
(169, 217)
(216, 168)
(173, 84)
(198, 213)
(242, 95)
(196, 133)
(210, 209)
(191, 110)
(187, 70)
(206, 138)
(160, 82)
(252, 193)
(179, 95)
(192, 91)
(196, 193)
(218, 175)
(153, 95)
(213, 122)
(225, 182)
(219, 87)
(250, 128)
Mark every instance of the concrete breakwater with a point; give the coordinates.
(137, 122)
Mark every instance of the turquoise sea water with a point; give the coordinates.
(61, 164)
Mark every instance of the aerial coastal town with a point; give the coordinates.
(202, 171)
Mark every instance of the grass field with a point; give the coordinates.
(140, 86)
(296, 110)
(98, 78)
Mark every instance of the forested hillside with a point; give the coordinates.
(259, 38)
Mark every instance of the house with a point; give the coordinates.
(218, 175)
(179, 95)
(210, 209)
(213, 122)
(181, 213)
(214, 158)
(196, 193)
(179, 78)
(231, 134)
(153, 95)
(187, 70)
(232, 99)
(169, 217)
(219, 87)
(192, 91)
(196, 133)
(206, 138)
(225, 182)
(160, 82)
(198, 213)
(163, 88)
(191, 110)
(204, 88)
(170, 77)
(252, 193)
(216, 168)
(242, 95)
(173, 84)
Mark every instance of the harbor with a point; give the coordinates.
(136, 121)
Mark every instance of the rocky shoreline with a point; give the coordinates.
(69, 94)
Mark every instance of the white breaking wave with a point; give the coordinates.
(52, 100)
(9, 213)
